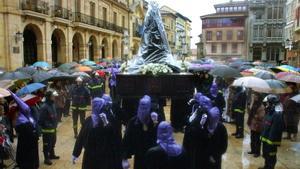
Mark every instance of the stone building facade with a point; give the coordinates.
(225, 32)
(59, 31)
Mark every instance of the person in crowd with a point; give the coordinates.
(255, 123)
(239, 108)
(113, 112)
(167, 154)
(179, 110)
(48, 123)
(5, 134)
(27, 155)
(217, 98)
(205, 139)
(140, 134)
(96, 86)
(60, 101)
(67, 87)
(99, 139)
(80, 101)
(272, 130)
(291, 114)
(112, 83)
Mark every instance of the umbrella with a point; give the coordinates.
(89, 63)
(66, 67)
(2, 70)
(199, 67)
(41, 76)
(58, 75)
(284, 68)
(296, 98)
(82, 74)
(42, 64)
(29, 99)
(225, 72)
(245, 67)
(14, 76)
(275, 87)
(82, 69)
(288, 77)
(265, 75)
(28, 70)
(4, 93)
(101, 73)
(30, 88)
(7, 83)
(247, 72)
(251, 82)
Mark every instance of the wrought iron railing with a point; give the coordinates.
(60, 12)
(83, 18)
(36, 6)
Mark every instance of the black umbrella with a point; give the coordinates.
(28, 70)
(58, 75)
(14, 76)
(41, 76)
(225, 72)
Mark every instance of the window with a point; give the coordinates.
(213, 48)
(273, 53)
(123, 21)
(240, 35)
(270, 13)
(208, 35)
(115, 18)
(229, 35)
(104, 13)
(234, 48)
(219, 35)
(269, 30)
(224, 48)
(57, 2)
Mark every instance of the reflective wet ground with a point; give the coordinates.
(235, 158)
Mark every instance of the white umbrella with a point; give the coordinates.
(296, 98)
(251, 82)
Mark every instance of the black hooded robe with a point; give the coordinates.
(200, 145)
(157, 158)
(137, 142)
(27, 156)
(101, 147)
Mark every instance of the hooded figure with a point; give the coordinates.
(167, 154)
(140, 134)
(27, 155)
(113, 82)
(217, 97)
(99, 139)
(205, 139)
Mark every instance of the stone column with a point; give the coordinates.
(47, 42)
(69, 48)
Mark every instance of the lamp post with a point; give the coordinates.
(125, 40)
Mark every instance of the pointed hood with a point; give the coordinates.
(213, 119)
(144, 110)
(154, 46)
(214, 90)
(205, 102)
(97, 109)
(24, 115)
(166, 139)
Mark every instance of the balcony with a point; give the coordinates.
(35, 6)
(274, 39)
(257, 4)
(60, 12)
(86, 19)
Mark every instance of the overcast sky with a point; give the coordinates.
(192, 9)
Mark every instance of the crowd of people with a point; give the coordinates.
(147, 137)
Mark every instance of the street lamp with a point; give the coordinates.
(289, 44)
(19, 36)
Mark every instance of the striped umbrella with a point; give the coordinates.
(288, 77)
